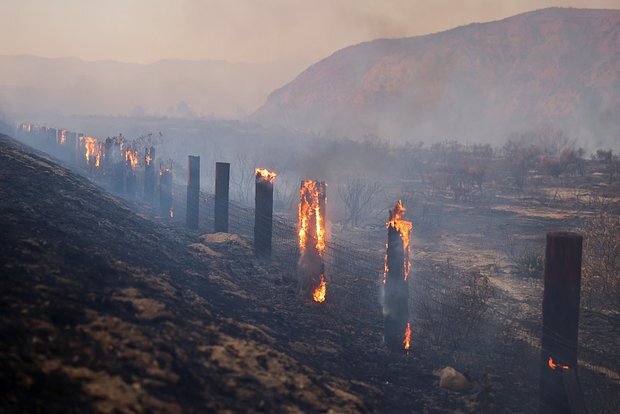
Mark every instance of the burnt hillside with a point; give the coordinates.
(104, 310)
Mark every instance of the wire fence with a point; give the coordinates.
(448, 312)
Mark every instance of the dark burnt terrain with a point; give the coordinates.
(106, 310)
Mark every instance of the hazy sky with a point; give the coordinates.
(235, 30)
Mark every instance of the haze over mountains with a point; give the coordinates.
(558, 67)
(180, 88)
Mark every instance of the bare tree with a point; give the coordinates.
(357, 195)
(243, 177)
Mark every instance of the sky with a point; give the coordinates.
(258, 31)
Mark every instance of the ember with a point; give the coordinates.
(554, 365)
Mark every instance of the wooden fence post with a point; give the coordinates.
(560, 324)
(193, 191)
(263, 213)
(222, 183)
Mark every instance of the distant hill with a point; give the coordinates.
(64, 86)
(559, 67)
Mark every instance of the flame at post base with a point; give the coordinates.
(407, 340)
(554, 365)
(319, 292)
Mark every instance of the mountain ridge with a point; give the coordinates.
(506, 75)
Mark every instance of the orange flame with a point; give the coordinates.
(404, 228)
(309, 206)
(554, 365)
(407, 340)
(132, 157)
(92, 149)
(319, 292)
(266, 175)
(63, 136)
(148, 158)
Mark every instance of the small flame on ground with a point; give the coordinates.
(266, 175)
(407, 340)
(404, 228)
(319, 292)
(554, 365)
(148, 158)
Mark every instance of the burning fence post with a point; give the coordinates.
(222, 181)
(149, 175)
(559, 389)
(311, 232)
(397, 329)
(131, 181)
(263, 211)
(193, 191)
(165, 192)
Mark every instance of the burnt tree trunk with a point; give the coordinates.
(560, 323)
(222, 184)
(263, 216)
(396, 293)
(193, 191)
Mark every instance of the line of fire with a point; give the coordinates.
(117, 160)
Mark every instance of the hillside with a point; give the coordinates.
(105, 311)
(70, 86)
(559, 67)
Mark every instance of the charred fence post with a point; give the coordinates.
(263, 212)
(222, 181)
(311, 229)
(396, 289)
(165, 192)
(559, 387)
(193, 191)
(149, 175)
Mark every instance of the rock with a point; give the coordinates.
(451, 379)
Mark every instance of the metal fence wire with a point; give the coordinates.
(354, 271)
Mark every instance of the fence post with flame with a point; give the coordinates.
(222, 182)
(131, 163)
(193, 191)
(149, 175)
(397, 329)
(311, 232)
(263, 211)
(559, 389)
(165, 192)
